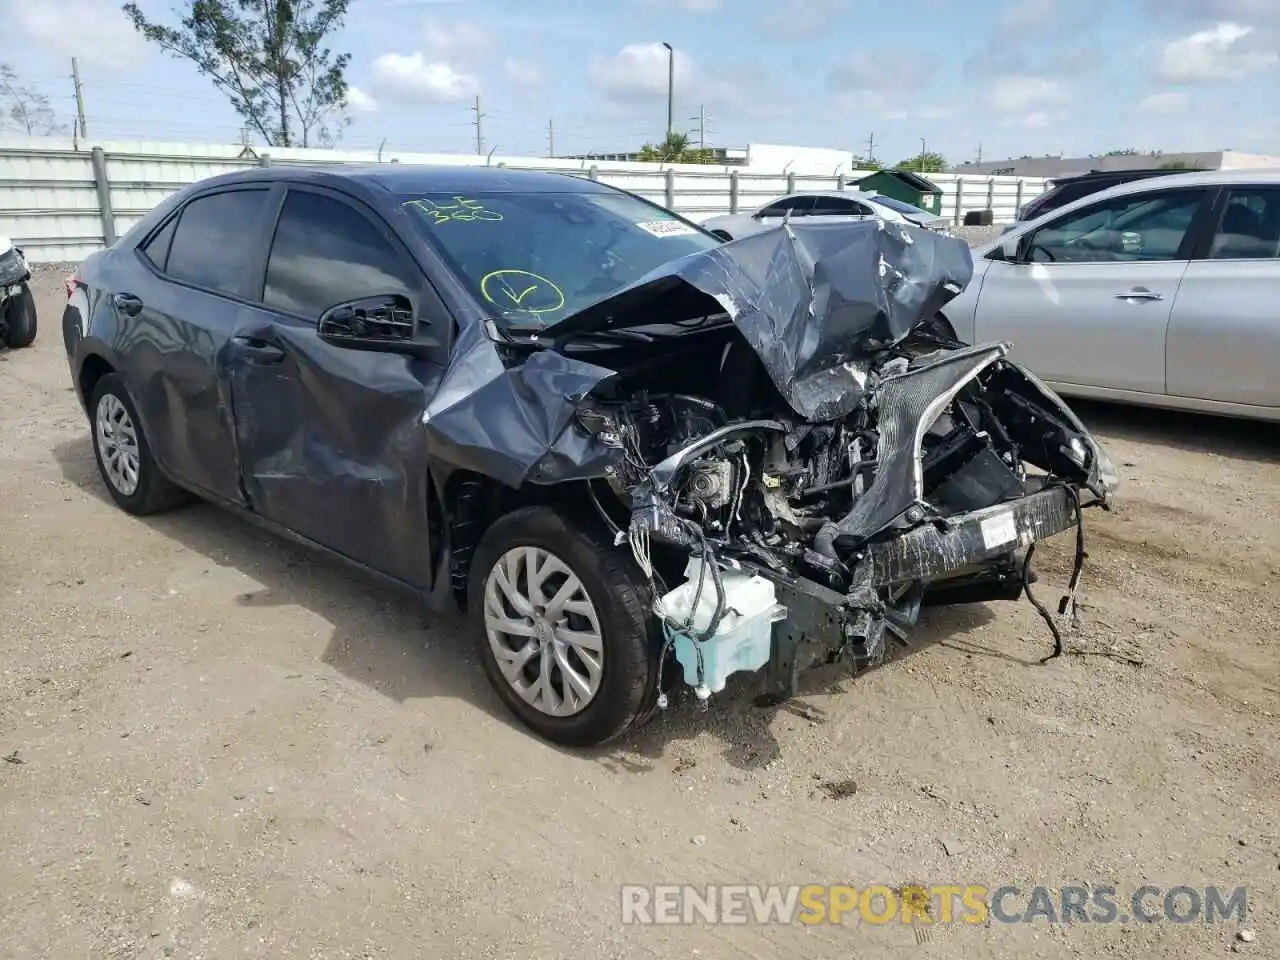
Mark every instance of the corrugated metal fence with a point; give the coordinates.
(60, 201)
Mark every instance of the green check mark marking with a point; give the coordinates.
(517, 299)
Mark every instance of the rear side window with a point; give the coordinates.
(157, 248)
(1250, 225)
(211, 244)
(326, 252)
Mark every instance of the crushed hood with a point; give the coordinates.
(815, 301)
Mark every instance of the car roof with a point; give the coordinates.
(405, 178)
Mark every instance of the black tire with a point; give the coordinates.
(623, 604)
(154, 492)
(20, 315)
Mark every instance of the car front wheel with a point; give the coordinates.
(564, 626)
(123, 454)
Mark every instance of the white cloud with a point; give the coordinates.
(1016, 94)
(1021, 16)
(1172, 102)
(96, 31)
(639, 72)
(1217, 53)
(457, 43)
(413, 77)
(359, 101)
(804, 19)
(522, 72)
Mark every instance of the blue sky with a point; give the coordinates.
(1012, 78)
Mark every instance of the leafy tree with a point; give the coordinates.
(867, 163)
(675, 148)
(24, 108)
(1124, 152)
(269, 57)
(923, 163)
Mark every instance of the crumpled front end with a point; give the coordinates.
(810, 522)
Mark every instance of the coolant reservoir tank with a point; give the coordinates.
(744, 637)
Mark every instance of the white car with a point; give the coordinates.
(838, 206)
(1161, 292)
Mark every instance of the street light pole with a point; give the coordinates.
(923, 151)
(671, 87)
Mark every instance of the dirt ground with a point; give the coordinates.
(216, 745)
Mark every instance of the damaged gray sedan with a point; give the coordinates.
(639, 457)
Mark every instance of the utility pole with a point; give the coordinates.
(979, 153)
(871, 147)
(551, 138)
(75, 77)
(702, 126)
(671, 86)
(923, 151)
(479, 127)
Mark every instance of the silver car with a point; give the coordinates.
(1161, 292)
(835, 206)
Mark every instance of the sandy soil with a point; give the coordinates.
(217, 745)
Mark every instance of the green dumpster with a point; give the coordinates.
(905, 186)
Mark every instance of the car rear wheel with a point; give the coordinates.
(123, 454)
(564, 627)
(20, 318)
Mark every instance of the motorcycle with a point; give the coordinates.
(17, 304)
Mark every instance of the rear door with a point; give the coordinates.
(330, 438)
(180, 294)
(1089, 300)
(1224, 334)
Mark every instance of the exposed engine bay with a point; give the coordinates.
(860, 520)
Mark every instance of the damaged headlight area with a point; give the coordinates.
(779, 542)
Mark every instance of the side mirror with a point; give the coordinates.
(382, 323)
(1010, 248)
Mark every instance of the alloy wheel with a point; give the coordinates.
(544, 631)
(117, 444)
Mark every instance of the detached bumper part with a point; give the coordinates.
(932, 553)
(824, 625)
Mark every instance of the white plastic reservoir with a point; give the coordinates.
(743, 638)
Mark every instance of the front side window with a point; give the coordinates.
(1250, 225)
(1139, 227)
(211, 243)
(533, 259)
(326, 252)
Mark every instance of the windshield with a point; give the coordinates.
(898, 205)
(535, 258)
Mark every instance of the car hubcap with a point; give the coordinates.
(117, 444)
(544, 631)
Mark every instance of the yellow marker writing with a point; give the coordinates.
(522, 290)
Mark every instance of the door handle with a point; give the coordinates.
(1139, 293)
(257, 350)
(127, 303)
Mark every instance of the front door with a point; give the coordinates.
(1089, 300)
(330, 438)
